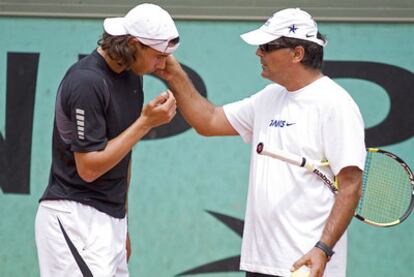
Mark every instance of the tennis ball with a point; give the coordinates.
(301, 272)
(165, 94)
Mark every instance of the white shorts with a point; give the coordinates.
(73, 240)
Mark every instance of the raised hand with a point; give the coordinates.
(159, 110)
(172, 69)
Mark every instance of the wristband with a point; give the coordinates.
(325, 248)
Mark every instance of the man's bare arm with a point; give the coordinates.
(346, 201)
(92, 165)
(206, 118)
(349, 180)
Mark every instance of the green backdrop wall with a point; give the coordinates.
(182, 184)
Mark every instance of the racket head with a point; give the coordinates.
(387, 190)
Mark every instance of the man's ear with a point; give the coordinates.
(298, 53)
(133, 41)
(136, 44)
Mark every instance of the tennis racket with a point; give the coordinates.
(387, 184)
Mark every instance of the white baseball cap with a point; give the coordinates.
(150, 24)
(292, 22)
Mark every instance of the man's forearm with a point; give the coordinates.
(340, 217)
(196, 109)
(92, 165)
(344, 207)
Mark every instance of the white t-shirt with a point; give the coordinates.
(287, 206)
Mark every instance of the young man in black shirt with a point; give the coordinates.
(81, 226)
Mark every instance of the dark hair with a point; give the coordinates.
(313, 57)
(118, 48)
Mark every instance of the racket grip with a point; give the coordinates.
(280, 155)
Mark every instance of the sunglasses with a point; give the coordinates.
(269, 47)
(167, 46)
(172, 44)
(163, 46)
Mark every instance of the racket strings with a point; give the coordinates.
(386, 189)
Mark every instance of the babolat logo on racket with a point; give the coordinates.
(325, 179)
(280, 123)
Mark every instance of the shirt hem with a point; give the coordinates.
(264, 269)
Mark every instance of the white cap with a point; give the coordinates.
(149, 23)
(293, 23)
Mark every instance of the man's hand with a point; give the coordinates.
(315, 260)
(172, 69)
(159, 110)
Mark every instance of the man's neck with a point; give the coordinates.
(303, 78)
(113, 65)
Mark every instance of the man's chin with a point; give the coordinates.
(141, 72)
(265, 75)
